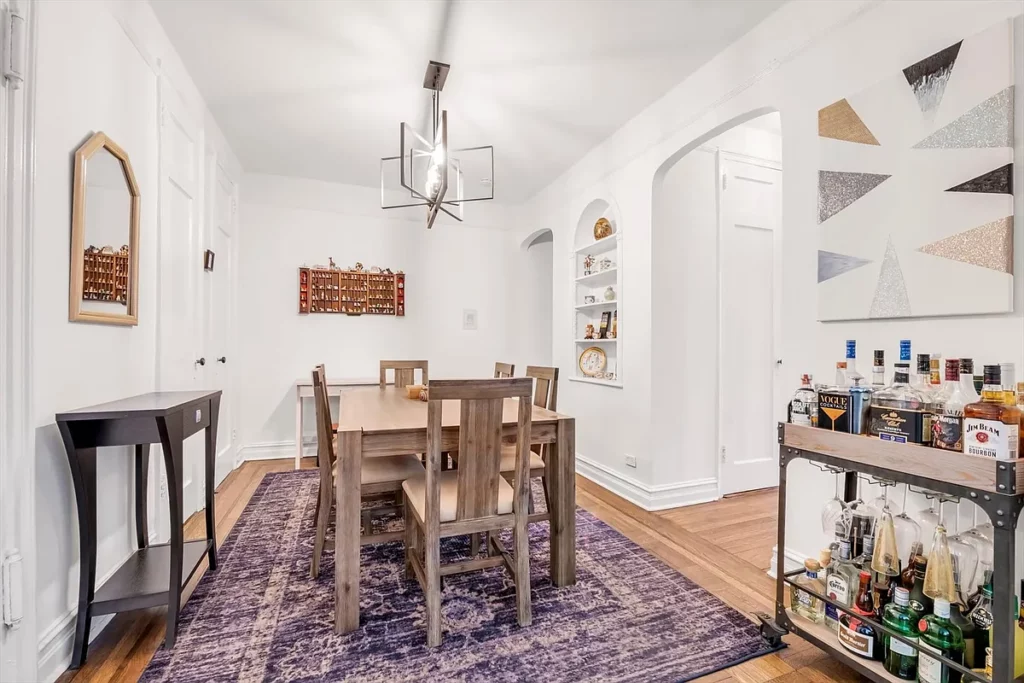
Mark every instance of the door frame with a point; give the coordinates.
(17, 429)
(720, 157)
(216, 170)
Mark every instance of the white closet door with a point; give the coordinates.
(750, 211)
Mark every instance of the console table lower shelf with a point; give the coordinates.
(142, 580)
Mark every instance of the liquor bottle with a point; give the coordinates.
(878, 369)
(939, 636)
(935, 371)
(851, 356)
(1008, 376)
(900, 658)
(904, 350)
(981, 617)
(840, 583)
(1020, 395)
(967, 381)
(919, 601)
(802, 602)
(855, 634)
(907, 575)
(947, 430)
(841, 378)
(922, 379)
(803, 407)
(900, 412)
(992, 428)
(969, 632)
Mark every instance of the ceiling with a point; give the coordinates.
(317, 88)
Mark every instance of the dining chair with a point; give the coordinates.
(504, 370)
(475, 498)
(378, 475)
(405, 372)
(545, 395)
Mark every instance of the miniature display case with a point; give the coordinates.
(352, 292)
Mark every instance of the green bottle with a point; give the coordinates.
(900, 658)
(939, 636)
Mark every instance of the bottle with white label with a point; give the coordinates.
(991, 427)
(900, 657)
(840, 583)
(939, 636)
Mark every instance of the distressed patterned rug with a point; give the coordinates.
(630, 617)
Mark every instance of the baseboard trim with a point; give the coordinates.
(56, 644)
(794, 560)
(650, 498)
(272, 450)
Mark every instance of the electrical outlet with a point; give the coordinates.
(234, 435)
(630, 461)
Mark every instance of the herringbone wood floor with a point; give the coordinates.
(724, 546)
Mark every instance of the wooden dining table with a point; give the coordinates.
(376, 422)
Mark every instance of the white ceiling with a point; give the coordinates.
(317, 88)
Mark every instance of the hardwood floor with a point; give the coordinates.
(723, 546)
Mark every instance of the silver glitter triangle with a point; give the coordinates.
(891, 300)
(831, 264)
(990, 124)
(838, 189)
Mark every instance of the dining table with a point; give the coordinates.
(375, 422)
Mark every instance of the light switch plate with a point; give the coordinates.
(469, 318)
(199, 415)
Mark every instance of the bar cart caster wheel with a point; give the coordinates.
(771, 632)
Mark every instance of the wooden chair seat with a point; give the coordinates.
(508, 461)
(415, 490)
(389, 468)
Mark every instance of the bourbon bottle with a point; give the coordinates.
(991, 427)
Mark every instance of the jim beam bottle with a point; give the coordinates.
(992, 428)
(900, 412)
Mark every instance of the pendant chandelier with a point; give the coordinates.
(427, 172)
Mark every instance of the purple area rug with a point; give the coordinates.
(630, 617)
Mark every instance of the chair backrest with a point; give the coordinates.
(504, 370)
(482, 405)
(546, 393)
(405, 372)
(324, 432)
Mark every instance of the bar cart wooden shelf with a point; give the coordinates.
(995, 485)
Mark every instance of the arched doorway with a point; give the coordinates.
(716, 280)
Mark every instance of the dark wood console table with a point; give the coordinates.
(153, 575)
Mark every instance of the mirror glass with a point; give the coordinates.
(107, 235)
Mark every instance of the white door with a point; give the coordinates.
(750, 206)
(219, 310)
(178, 315)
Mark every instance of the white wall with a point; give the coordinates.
(805, 56)
(291, 222)
(98, 65)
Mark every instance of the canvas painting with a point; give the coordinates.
(915, 203)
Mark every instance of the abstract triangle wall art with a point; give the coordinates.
(928, 77)
(915, 186)
(999, 181)
(840, 122)
(987, 246)
(838, 189)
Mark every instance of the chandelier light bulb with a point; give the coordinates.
(437, 156)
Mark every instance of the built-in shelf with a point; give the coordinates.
(597, 341)
(599, 246)
(597, 304)
(599, 278)
(603, 382)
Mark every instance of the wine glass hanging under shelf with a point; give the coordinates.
(352, 292)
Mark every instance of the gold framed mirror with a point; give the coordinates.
(104, 235)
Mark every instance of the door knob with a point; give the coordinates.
(222, 359)
(201, 361)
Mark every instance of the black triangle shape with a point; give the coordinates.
(928, 77)
(999, 181)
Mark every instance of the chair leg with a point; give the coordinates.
(410, 540)
(474, 545)
(547, 494)
(432, 574)
(323, 508)
(522, 560)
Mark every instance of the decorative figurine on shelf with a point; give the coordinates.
(358, 267)
(387, 271)
(589, 334)
(589, 299)
(331, 264)
(609, 294)
(375, 269)
(602, 228)
(588, 264)
(606, 263)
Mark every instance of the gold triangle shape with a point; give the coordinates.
(840, 122)
(988, 246)
(834, 413)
